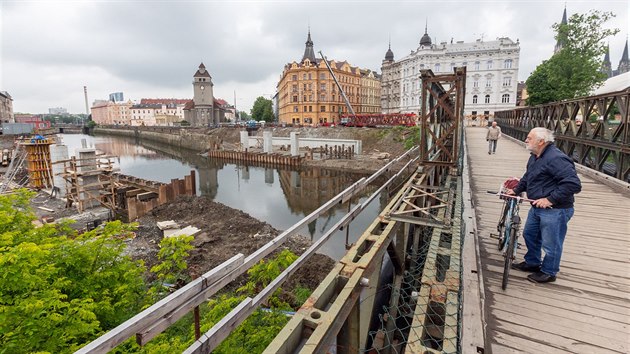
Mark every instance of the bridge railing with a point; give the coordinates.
(593, 130)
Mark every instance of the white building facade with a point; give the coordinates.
(491, 75)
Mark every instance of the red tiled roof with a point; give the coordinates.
(163, 101)
(189, 105)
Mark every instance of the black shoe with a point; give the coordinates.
(524, 267)
(540, 277)
(488, 152)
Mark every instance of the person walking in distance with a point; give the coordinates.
(551, 182)
(493, 134)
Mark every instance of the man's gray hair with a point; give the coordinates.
(543, 134)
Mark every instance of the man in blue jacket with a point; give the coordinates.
(551, 181)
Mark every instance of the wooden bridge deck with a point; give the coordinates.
(587, 309)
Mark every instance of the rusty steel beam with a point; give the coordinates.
(594, 130)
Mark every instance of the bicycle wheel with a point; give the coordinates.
(501, 225)
(509, 256)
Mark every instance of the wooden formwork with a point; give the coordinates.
(38, 162)
(257, 157)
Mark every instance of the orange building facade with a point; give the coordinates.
(308, 95)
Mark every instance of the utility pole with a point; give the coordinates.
(235, 111)
(87, 109)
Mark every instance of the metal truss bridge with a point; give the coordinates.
(425, 275)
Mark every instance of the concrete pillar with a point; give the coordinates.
(296, 180)
(84, 143)
(295, 144)
(267, 142)
(244, 140)
(86, 164)
(58, 153)
(269, 172)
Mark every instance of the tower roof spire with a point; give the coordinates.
(309, 53)
(389, 55)
(425, 40)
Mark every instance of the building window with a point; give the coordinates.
(295, 98)
(507, 81)
(294, 77)
(474, 114)
(310, 86)
(304, 76)
(452, 66)
(507, 64)
(304, 87)
(322, 87)
(489, 65)
(505, 98)
(475, 83)
(322, 76)
(295, 109)
(309, 76)
(310, 98)
(304, 108)
(487, 100)
(322, 109)
(310, 108)
(294, 88)
(488, 83)
(322, 97)
(477, 65)
(437, 67)
(465, 63)
(475, 99)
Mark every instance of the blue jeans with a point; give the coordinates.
(545, 230)
(492, 146)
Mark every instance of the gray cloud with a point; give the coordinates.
(51, 49)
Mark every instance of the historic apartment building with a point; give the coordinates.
(491, 74)
(6, 108)
(307, 93)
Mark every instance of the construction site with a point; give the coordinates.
(86, 183)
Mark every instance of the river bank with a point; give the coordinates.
(379, 145)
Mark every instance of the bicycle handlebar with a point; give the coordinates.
(518, 198)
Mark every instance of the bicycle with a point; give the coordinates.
(508, 228)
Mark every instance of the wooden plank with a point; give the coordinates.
(114, 337)
(211, 339)
(588, 308)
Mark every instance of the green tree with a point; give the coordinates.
(58, 289)
(575, 70)
(262, 110)
(243, 115)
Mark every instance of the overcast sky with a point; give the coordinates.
(151, 49)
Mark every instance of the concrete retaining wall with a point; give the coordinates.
(257, 141)
(185, 139)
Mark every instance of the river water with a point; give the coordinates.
(279, 196)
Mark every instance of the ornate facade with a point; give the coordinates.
(491, 74)
(307, 93)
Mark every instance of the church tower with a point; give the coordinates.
(203, 98)
(606, 65)
(560, 43)
(624, 63)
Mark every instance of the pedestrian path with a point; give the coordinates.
(587, 309)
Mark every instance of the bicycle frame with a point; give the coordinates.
(508, 228)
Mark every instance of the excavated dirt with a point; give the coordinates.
(225, 232)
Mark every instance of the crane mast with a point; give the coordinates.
(343, 94)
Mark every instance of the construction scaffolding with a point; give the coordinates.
(89, 181)
(38, 162)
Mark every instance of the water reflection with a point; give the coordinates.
(279, 196)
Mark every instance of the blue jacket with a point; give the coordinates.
(551, 176)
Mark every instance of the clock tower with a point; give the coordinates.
(203, 97)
